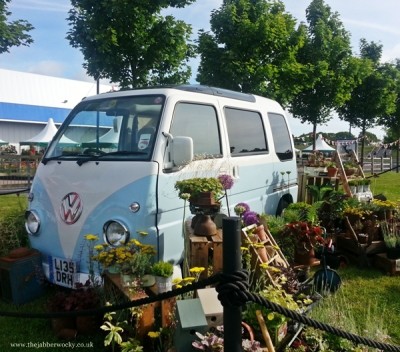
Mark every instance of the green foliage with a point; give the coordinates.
(14, 33)
(319, 192)
(375, 94)
(252, 48)
(12, 225)
(130, 42)
(164, 269)
(330, 72)
(195, 186)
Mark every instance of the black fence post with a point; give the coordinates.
(232, 262)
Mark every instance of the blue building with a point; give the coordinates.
(28, 101)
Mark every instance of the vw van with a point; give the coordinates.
(112, 166)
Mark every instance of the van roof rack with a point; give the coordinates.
(198, 88)
(226, 93)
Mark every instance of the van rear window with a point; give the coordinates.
(282, 140)
(245, 132)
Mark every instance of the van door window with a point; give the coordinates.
(201, 124)
(246, 132)
(282, 140)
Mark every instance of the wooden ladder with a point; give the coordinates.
(342, 174)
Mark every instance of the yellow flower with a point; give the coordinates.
(189, 279)
(98, 247)
(91, 237)
(244, 249)
(197, 269)
(142, 233)
(153, 334)
(176, 281)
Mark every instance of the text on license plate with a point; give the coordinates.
(63, 271)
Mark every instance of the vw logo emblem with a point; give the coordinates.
(71, 208)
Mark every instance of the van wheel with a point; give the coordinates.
(282, 205)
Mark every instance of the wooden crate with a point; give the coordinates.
(150, 311)
(389, 266)
(204, 251)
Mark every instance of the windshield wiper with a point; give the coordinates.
(95, 156)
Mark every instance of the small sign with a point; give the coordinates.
(63, 272)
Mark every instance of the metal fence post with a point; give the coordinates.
(232, 261)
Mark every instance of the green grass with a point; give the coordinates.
(387, 184)
(361, 290)
(36, 331)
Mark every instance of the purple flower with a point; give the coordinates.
(241, 208)
(250, 218)
(226, 181)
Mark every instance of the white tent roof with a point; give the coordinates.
(320, 145)
(44, 136)
(3, 142)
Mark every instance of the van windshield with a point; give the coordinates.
(117, 128)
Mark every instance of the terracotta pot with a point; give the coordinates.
(332, 171)
(303, 256)
(260, 232)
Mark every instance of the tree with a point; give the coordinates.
(330, 71)
(129, 42)
(252, 48)
(374, 96)
(392, 121)
(13, 33)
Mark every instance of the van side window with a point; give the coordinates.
(200, 123)
(282, 141)
(245, 131)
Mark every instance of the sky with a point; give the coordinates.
(51, 54)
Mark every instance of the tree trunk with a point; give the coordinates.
(314, 135)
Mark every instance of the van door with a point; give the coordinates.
(201, 122)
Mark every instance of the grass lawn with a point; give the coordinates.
(371, 296)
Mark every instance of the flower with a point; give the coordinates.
(226, 181)
(108, 256)
(241, 208)
(90, 237)
(250, 218)
(305, 234)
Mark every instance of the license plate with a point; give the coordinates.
(63, 272)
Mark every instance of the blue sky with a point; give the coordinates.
(51, 54)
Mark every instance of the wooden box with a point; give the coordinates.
(204, 251)
(390, 266)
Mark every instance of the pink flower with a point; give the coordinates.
(226, 181)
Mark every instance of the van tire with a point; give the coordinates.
(283, 204)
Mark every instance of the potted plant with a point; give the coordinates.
(83, 297)
(331, 168)
(163, 274)
(202, 190)
(305, 237)
(354, 184)
(391, 237)
(350, 167)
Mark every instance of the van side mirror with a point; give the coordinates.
(181, 150)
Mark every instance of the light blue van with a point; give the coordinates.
(111, 168)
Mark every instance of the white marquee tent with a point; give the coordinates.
(320, 145)
(44, 137)
(3, 142)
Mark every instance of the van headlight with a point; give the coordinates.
(32, 222)
(115, 233)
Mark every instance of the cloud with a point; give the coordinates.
(40, 5)
(373, 26)
(48, 68)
